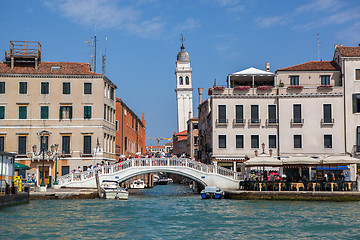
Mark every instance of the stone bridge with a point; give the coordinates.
(205, 175)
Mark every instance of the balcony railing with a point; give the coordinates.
(297, 121)
(254, 122)
(327, 121)
(272, 122)
(221, 122)
(239, 122)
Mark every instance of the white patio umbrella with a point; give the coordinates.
(300, 161)
(339, 160)
(263, 161)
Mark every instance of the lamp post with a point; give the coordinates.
(54, 151)
(263, 148)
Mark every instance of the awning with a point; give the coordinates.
(19, 166)
(332, 168)
(263, 161)
(300, 161)
(339, 160)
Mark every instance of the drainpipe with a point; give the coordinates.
(343, 83)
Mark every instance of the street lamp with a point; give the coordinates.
(42, 150)
(54, 151)
(263, 148)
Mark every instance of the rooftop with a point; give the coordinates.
(313, 66)
(49, 68)
(349, 51)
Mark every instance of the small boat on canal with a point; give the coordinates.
(138, 184)
(210, 192)
(114, 191)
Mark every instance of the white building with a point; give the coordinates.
(183, 89)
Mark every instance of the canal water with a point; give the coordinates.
(174, 212)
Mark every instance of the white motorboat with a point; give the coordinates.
(138, 184)
(114, 191)
(212, 192)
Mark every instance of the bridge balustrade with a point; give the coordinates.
(150, 162)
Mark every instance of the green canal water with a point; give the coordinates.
(174, 212)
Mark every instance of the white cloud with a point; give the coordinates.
(109, 15)
(188, 25)
(268, 21)
(320, 5)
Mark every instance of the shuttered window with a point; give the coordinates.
(2, 143)
(239, 141)
(239, 114)
(327, 113)
(44, 112)
(65, 112)
(44, 88)
(297, 141)
(87, 145)
(356, 102)
(255, 114)
(327, 141)
(358, 139)
(65, 147)
(357, 74)
(222, 113)
(294, 80)
(66, 88)
(87, 112)
(2, 112)
(22, 87)
(222, 141)
(325, 80)
(272, 114)
(22, 145)
(87, 88)
(272, 141)
(2, 87)
(22, 112)
(254, 141)
(297, 118)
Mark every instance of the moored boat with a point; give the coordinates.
(138, 184)
(113, 190)
(210, 192)
(163, 181)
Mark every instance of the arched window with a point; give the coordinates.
(187, 80)
(180, 81)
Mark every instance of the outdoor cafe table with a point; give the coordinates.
(297, 186)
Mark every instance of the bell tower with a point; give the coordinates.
(183, 88)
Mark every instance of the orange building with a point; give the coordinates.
(130, 131)
(180, 143)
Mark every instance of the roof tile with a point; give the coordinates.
(349, 51)
(313, 66)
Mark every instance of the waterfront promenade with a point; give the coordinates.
(65, 193)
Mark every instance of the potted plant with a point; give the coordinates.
(325, 87)
(295, 87)
(219, 88)
(263, 88)
(241, 88)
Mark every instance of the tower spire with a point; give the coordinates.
(182, 39)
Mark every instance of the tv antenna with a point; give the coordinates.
(104, 58)
(318, 43)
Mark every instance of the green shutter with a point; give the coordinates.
(44, 112)
(2, 112)
(354, 102)
(70, 112)
(61, 112)
(87, 112)
(22, 112)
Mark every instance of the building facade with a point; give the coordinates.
(183, 89)
(130, 131)
(193, 138)
(63, 104)
(180, 144)
(310, 108)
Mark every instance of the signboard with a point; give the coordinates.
(17, 182)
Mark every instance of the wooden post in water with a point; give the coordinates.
(97, 184)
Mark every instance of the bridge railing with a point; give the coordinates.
(149, 162)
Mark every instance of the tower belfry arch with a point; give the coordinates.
(183, 88)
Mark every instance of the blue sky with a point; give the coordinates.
(222, 36)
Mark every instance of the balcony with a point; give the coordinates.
(272, 122)
(297, 121)
(327, 121)
(254, 122)
(221, 122)
(239, 122)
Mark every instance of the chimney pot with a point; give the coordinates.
(267, 66)
(341, 45)
(335, 45)
(200, 90)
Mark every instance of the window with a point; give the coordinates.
(297, 113)
(2, 112)
(44, 112)
(187, 80)
(65, 112)
(327, 141)
(2, 87)
(239, 141)
(297, 141)
(239, 114)
(112, 91)
(272, 114)
(325, 80)
(44, 145)
(22, 87)
(66, 88)
(65, 147)
(105, 111)
(22, 145)
(327, 113)
(358, 139)
(22, 112)
(272, 141)
(55, 67)
(255, 114)
(195, 126)
(44, 88)
(180, 80)
(126, 144)
(117, 125)
(222, 113)
(254, 141)
(196, 140)
(2, 143)
(294, 80)
(222, 141)
(356, 102)
(87, 145)
(87, 112)
(65, 170)
(357, 74)
(87, 88)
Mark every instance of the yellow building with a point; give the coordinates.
(62, 104)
